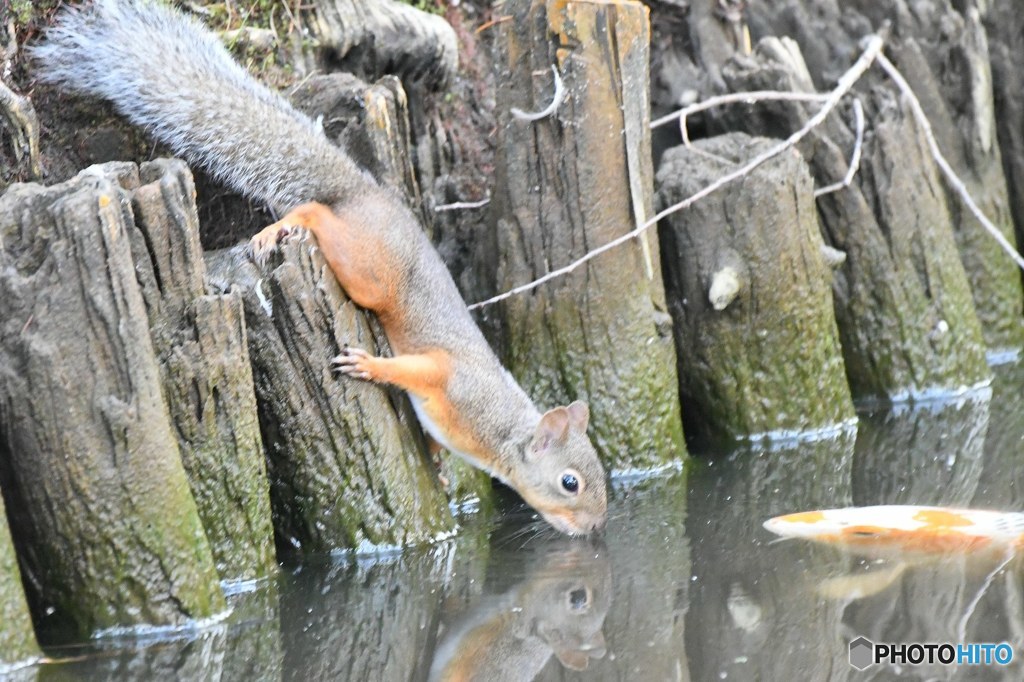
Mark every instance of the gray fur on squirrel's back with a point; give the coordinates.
(169, 74)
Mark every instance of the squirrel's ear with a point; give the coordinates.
(553, 427)
(579, 415)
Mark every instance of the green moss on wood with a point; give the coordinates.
(17, 638)
(770, 361)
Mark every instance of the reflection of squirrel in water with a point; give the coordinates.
(558, 608)
(166, 73)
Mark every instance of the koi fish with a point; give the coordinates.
(906, 529)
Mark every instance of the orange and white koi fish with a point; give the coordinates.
(905, 529)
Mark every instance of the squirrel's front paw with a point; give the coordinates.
(266, 240)
(354, 362)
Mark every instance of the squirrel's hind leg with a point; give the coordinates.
(359, 261)
(265, 242)
(312, 217)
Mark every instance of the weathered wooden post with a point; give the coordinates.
(345, 472)
(373, 37)
(749, 291)
(374, 127)
(387, 126)
(201, 348)
(903, 303)
(97, 497)
(346, 468)
(567, 183)
(944, 54)
(1005, 25)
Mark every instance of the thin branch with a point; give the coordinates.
(951, 177)
(872, 50)
(739, 97)
(461, 204)
(493, 22)
(858, 115)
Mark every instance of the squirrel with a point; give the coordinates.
(169, 74)
(557, 608)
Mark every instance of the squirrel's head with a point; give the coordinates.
(563, 478)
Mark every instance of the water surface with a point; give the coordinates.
(684, 585)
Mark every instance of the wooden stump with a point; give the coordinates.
(376, 37)
(201, 348)
(1004, 23)
(569, 183)
(372, 124)
(345, 471)
(903, 304)
(748, 289)
(944, 55)
(96, 494)
(388, 130)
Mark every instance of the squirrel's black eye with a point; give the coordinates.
(578, 599)
(570, 483)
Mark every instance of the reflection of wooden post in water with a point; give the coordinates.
(755, 613)
(956, 597)
(557, 609)
(646, 627)
(1001, 485)
(934, 454)
(374, 618)
(926, 454)
(570, 182)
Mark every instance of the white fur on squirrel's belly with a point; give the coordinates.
(437, 434)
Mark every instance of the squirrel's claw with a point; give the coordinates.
(353, 362)
(266, 240)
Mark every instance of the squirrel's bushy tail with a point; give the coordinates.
(168, 73)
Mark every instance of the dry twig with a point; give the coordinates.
(858, 115)
(461, 204)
